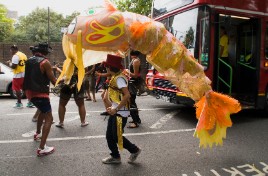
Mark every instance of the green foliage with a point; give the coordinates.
(142, 7)
(34, 27)
(189, 38)
(6, 24)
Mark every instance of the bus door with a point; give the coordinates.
(246, 75)
(224, 64)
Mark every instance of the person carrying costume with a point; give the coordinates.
(134, 76)
(102, 73)
(65, 95)
(116, 102)
(38, 74)
(90, 83)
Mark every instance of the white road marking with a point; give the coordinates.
(97, 137)
(76, 112)
(163, 120)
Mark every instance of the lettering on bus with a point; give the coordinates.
(242, 170)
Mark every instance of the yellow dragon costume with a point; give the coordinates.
(107, 29)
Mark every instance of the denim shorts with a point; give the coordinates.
(43, 104)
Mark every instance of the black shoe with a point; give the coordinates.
(104, 113)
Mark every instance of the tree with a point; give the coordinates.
(34, 27)
(189, 38)
(6, 24)
(142, 7)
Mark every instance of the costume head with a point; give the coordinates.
(114, 61)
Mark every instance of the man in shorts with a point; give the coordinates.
(18, 65)
(65, 94)
(38, 75)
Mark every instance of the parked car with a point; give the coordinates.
(6, 76)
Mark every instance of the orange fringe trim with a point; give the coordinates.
(213, 113)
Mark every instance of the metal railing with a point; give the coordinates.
(221, 79)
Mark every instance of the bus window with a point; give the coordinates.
(247, 43)
(204, 34)
(161, 7)
(166, 24)
(187, 31)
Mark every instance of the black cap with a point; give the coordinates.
(43, 48)
(14, 47)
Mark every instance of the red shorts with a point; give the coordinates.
(17, 84)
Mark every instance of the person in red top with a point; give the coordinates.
(38, 75)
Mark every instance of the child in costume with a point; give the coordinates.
(116, 103)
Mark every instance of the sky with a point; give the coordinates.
(65, 7)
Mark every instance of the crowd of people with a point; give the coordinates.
(119, 85)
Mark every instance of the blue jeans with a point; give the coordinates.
(111, 137)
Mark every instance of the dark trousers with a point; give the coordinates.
(134, 109)
(111, 137)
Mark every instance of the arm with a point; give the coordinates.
(47, 68)
(221, 50)
(57, 69)
(90, 71)
(136, 67)
(106, 101)
(15, 61)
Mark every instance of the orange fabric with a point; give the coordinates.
(137, 29)
(215, 107)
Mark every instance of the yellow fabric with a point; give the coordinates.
(79, 60)
(224, 43)
(21, 65)
(74, 58)
(115, 94)
(119, 132)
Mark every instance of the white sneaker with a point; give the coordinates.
(37, 137)
(60, 125)
(47, 150)
(84, 124)
(34, 119)
(111, 160)
(134, 156)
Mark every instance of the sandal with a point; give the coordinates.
(139, 122)
(133, 125)
(88, 99)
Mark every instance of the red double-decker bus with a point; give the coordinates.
(197, 24)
